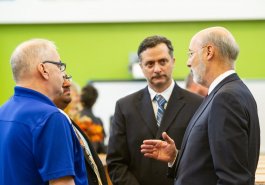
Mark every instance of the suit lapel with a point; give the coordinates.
(192, 122)
(173, 107)
(145, 108)
(200, 110)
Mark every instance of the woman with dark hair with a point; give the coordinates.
(92, 125)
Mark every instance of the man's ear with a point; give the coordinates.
(210, 50)
(43, 71)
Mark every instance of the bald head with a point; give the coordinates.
(222, 39)
(29, 54)
(213, 51)
(36, 65)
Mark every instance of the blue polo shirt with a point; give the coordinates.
(37, 143)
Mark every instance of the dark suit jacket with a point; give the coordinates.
(134, 121)
(221, 143)
(92, 178)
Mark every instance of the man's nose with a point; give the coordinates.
(189, 63)
(157, 68)
(66, 83)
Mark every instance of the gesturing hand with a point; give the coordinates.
(160, 150)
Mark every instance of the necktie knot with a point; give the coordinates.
(160, 100)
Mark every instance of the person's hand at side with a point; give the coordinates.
(67, 180)
(160, 150)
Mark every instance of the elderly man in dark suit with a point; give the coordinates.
(161, 106)
(95, 170)
(221, 143)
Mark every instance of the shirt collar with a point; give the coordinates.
(26, 92)
(219, 79)
(166, 93)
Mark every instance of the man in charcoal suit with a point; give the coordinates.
(143, 115)
(221, 143)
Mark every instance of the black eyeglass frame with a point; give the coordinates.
(68, 77)
(60, 64)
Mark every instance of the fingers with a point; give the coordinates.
(172, 150)
(167, 138)
(148, 150)
(150, 155)
(151, 141)
(146, 146)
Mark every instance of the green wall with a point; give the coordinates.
(101, 51)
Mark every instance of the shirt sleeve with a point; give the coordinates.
(53, 147)
(170, 164)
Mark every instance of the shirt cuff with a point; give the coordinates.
(170, 164)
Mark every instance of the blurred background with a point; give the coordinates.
(98, 39)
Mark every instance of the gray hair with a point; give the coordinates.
(222, 39)
(28, 55)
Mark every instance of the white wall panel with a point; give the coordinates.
(88, 11)
(111, 91)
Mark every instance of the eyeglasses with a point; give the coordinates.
(60, 64)
(190, 53)
(67, 77)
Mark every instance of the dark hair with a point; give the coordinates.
(89, 95)
(153, 41)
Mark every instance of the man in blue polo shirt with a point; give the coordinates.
(38, 146)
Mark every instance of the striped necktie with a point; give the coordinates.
(85, 148)
(87, 154)
(160, 111)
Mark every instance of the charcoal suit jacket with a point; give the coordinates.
(221, 143)
(134, 121)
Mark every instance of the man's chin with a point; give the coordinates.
(67, 99)
(158, 84)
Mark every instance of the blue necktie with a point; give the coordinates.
(160, 111)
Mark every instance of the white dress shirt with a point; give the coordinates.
(166, 94)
